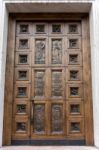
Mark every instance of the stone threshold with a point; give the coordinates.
(48, 148)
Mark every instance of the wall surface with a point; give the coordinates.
(61, 6)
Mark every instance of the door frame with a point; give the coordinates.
(8, 101)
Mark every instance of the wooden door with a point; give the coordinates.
(49, 101)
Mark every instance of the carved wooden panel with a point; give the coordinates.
(57, 87)
(57, 119)
(40, 47)
(56, 28)
(39, 83)
(56, 51)
(39, 119)
(40, 28)
(75, 127)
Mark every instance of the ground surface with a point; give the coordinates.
(48, 148)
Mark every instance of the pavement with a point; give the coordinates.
(48, 148)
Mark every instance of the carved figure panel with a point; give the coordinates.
(74, 91)
(40, 28)
(23, 43)
(23, 58)
(21, 108)
(40, 47)
(73, 43)
(56, 51)
(57, 118)
(73, 58)
(39, 118)
(75, 127)
(39, 81)
(24, 28)
(57, 83)
(22, 75)
(22, 92)
(56, 28)
(73, 29)
(75, 108)
(20, 126)
(74, 75)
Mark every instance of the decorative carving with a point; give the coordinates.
(21, 92)
(23, 58)
(57, 51)
(74, 91)
(73, 29)
(40, 28)
(73, 75)
(22, 75)
(75, 108)
(39, 83)
(24, 28)
(39, 118)
(21, 126)
(56, 28)
(57, 118)
(23, 44)
(21, 108)
(73, 58)
(57, 83)
(40, 52)
(75, 127)
(73, 43)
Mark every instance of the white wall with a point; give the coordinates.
(3, 44)
(94, 33)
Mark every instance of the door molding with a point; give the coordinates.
(8, 103)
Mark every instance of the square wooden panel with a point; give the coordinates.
(75, 108)
(56, 29)
(74, 74)
(23, 28)
(22, 90)
(73, 28)
(40, 51)
(23, 58)
(75, 127)
(21, 127)
(23, 43)
(40, 28)
(22, 74)
(74, 91)
(74, 58)
(74, 43)
(21, 107)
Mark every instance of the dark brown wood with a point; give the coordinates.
(87, 82)
(49, 92)
(8, 103)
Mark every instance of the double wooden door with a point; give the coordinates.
(49, 89)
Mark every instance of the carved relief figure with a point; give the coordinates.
(39, 83)
(57, 119)
(39, 118)
(56, 51)
(56, 83)
(40, 52)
